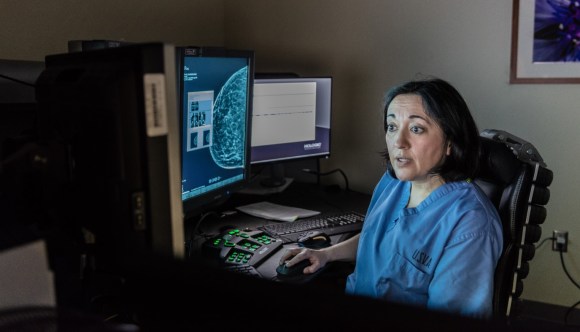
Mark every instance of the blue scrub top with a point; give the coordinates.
(440, 255)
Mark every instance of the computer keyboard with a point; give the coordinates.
(244, 269)
(340, 223)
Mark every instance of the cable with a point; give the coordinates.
(544, 241)
(347, 188)
(194, 230)
(569, 311)
(17, 80)
(566, 271)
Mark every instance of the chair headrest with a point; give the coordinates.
(498, 162)
(522, 149)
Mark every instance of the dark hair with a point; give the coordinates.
(444, 104)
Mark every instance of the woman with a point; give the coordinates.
(431, 237)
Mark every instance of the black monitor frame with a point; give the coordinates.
(196, 204)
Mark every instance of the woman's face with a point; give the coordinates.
(415, 142)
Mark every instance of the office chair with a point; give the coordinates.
(515, 178)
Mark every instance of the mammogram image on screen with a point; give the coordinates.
(229, 137)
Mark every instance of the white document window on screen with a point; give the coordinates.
(284, 113)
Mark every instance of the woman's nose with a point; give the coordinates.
(401, 140)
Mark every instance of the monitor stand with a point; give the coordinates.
(276, 178)
(275, 182)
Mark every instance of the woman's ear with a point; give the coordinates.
(448, 151)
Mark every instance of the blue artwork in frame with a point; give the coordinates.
(556, 31)
(545, 41)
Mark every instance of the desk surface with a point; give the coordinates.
(225, 299)
(301, 195)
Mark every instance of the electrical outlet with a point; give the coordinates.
(560, 241)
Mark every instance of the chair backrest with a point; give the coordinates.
(515, 178)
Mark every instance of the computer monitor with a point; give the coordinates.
(291, 120)
(17, 119)
(113, 112)
(17, 100)
(215, 87)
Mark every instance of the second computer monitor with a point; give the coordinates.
(215, 88)
(291, 118)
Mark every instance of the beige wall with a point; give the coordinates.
(369, 45)
(31, 29)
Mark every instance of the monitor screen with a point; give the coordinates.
(112, 111)
(291, 118)
(215, 96)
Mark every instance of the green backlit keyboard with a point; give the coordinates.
(236, 247)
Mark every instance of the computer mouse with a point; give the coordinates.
(293, 271)
(314, 240)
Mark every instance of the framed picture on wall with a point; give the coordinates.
(545, 42)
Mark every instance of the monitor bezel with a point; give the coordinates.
(194, 206)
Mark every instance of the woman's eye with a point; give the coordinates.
(417, 130)
(391, 127)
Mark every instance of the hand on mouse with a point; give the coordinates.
(317, 258)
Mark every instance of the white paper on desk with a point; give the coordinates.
(273, 211)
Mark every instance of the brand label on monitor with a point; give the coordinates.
(155, 109)
(312, 146)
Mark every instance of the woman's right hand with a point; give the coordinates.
(317, 258)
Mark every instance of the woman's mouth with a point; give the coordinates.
(400, 161)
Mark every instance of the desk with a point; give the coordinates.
(226, 300)
(303, 195)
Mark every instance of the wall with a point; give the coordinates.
(31, 29)
(369, 45)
